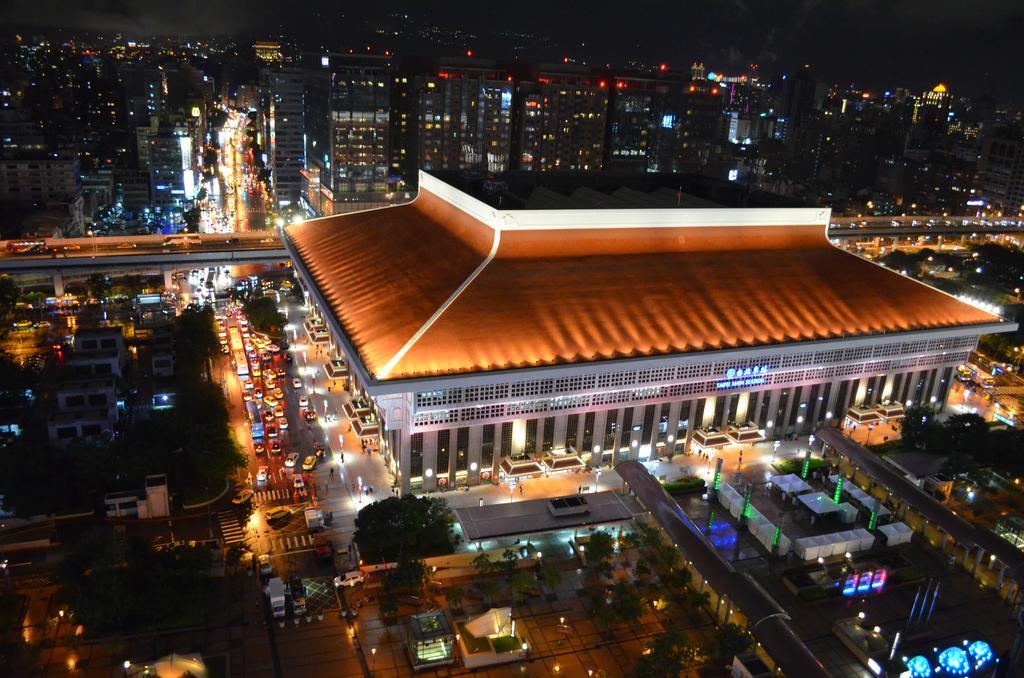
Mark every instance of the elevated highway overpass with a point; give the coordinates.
(918, 226)
(147, 254)
(152, 254)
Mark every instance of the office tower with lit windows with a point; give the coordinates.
(348, 114)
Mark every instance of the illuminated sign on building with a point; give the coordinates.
(744, 376)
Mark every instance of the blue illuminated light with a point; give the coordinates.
(954, 661)
(919, 667)
(668, 120)
(981, 653)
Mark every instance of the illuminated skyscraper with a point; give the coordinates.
(464, 116)
(561, 121)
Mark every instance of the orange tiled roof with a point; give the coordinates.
(553, 297)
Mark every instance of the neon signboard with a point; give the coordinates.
(862, 583)
(744, 376)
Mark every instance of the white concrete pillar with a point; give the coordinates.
(861, 392)
(690, 416)
(831, 404)
(600, 423)
(404, 456)
(558, 439)
(496, 459)
(708, 415)
(673, 427)
(58, 284)
(887, 388)
(429, 461)
(740, 416)
(519, 436)
(773, 406)
(476, 434)
(168, 279)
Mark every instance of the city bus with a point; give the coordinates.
(255, 420)
(238, 351)
(26, 247)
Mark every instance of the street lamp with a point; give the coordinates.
(373, 661)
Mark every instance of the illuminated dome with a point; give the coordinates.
(981, 653)
(919, 667)
(954, 661)
(940, 88)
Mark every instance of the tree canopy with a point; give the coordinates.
(264, 316)
(192, 443)
(403, 527)
(668, 654)
(123, 585)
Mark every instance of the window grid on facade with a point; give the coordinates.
(572, 423)
(531, 436)
(487, 447)
(506, 439)
(443, 450)
(462, 449)
(416, 455)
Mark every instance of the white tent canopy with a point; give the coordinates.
(790, 484)
(494, 623)
(896, 533)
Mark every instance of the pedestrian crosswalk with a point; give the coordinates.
(230, 528)
(272, 495)
(293, 543)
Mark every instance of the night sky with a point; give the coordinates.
(973, 45)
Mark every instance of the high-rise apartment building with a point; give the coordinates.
(560, 121)
(664, 123)
(283, 99)
(166, 150)
(39, 179)
(464, 116)
(1001, 170)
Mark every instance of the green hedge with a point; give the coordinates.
(810, 595)
(909, 574)
(796, 465)
(683, 485)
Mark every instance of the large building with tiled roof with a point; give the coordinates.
(486, 342)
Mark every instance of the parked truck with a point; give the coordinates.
(314, 520)
(275, 591)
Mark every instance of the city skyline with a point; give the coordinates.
(909, 44)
